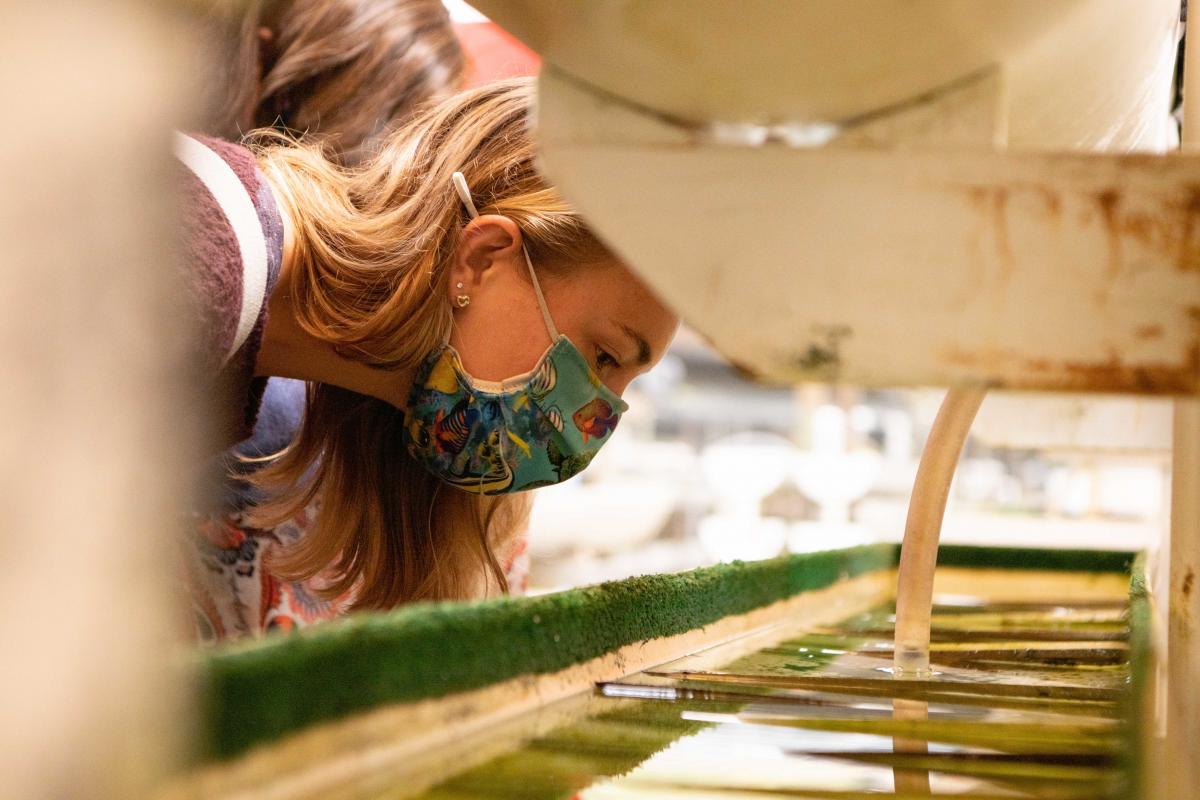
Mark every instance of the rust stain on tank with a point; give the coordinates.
(978, 195)
(1169, 229)
(1050, 200)
(1109, 201)
(1000, 226)
(991, 203)
(1149, 332)
(1110, 374)
(998, 196)
(1188, 258)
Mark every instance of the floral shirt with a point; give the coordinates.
(233, 595)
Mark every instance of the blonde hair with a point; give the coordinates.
(370, 270)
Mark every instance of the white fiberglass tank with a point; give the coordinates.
(1079, 73)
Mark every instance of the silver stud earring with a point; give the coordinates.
(463, 301)
(458, 285)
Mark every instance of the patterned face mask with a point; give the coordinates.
(532, 430)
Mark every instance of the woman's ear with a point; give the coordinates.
(486, 243)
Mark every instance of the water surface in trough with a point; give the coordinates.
(1023, 702)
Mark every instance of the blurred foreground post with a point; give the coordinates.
(93, 425)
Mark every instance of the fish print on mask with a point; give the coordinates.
(543, 380)
(452, 431)
(565, 466)
(569, 466)
(596, 419)
(497, 475)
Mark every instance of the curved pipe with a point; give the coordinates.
(918, 553)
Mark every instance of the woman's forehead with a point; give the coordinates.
(639, 315)
(608, 294)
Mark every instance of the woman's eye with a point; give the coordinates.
(605, 360)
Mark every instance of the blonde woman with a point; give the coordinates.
(464, 335)
(341, 73)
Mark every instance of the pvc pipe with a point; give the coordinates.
(923, 529)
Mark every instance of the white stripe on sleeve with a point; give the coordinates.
(227, 189)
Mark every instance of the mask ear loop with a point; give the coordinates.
(464, 194)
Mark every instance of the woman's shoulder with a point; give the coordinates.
(231, 241)
(224, 176)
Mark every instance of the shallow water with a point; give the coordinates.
(1023, 702)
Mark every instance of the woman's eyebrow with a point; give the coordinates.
(643, 349)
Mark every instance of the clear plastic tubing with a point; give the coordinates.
(923, 529)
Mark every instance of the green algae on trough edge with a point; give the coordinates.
(258, 692)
